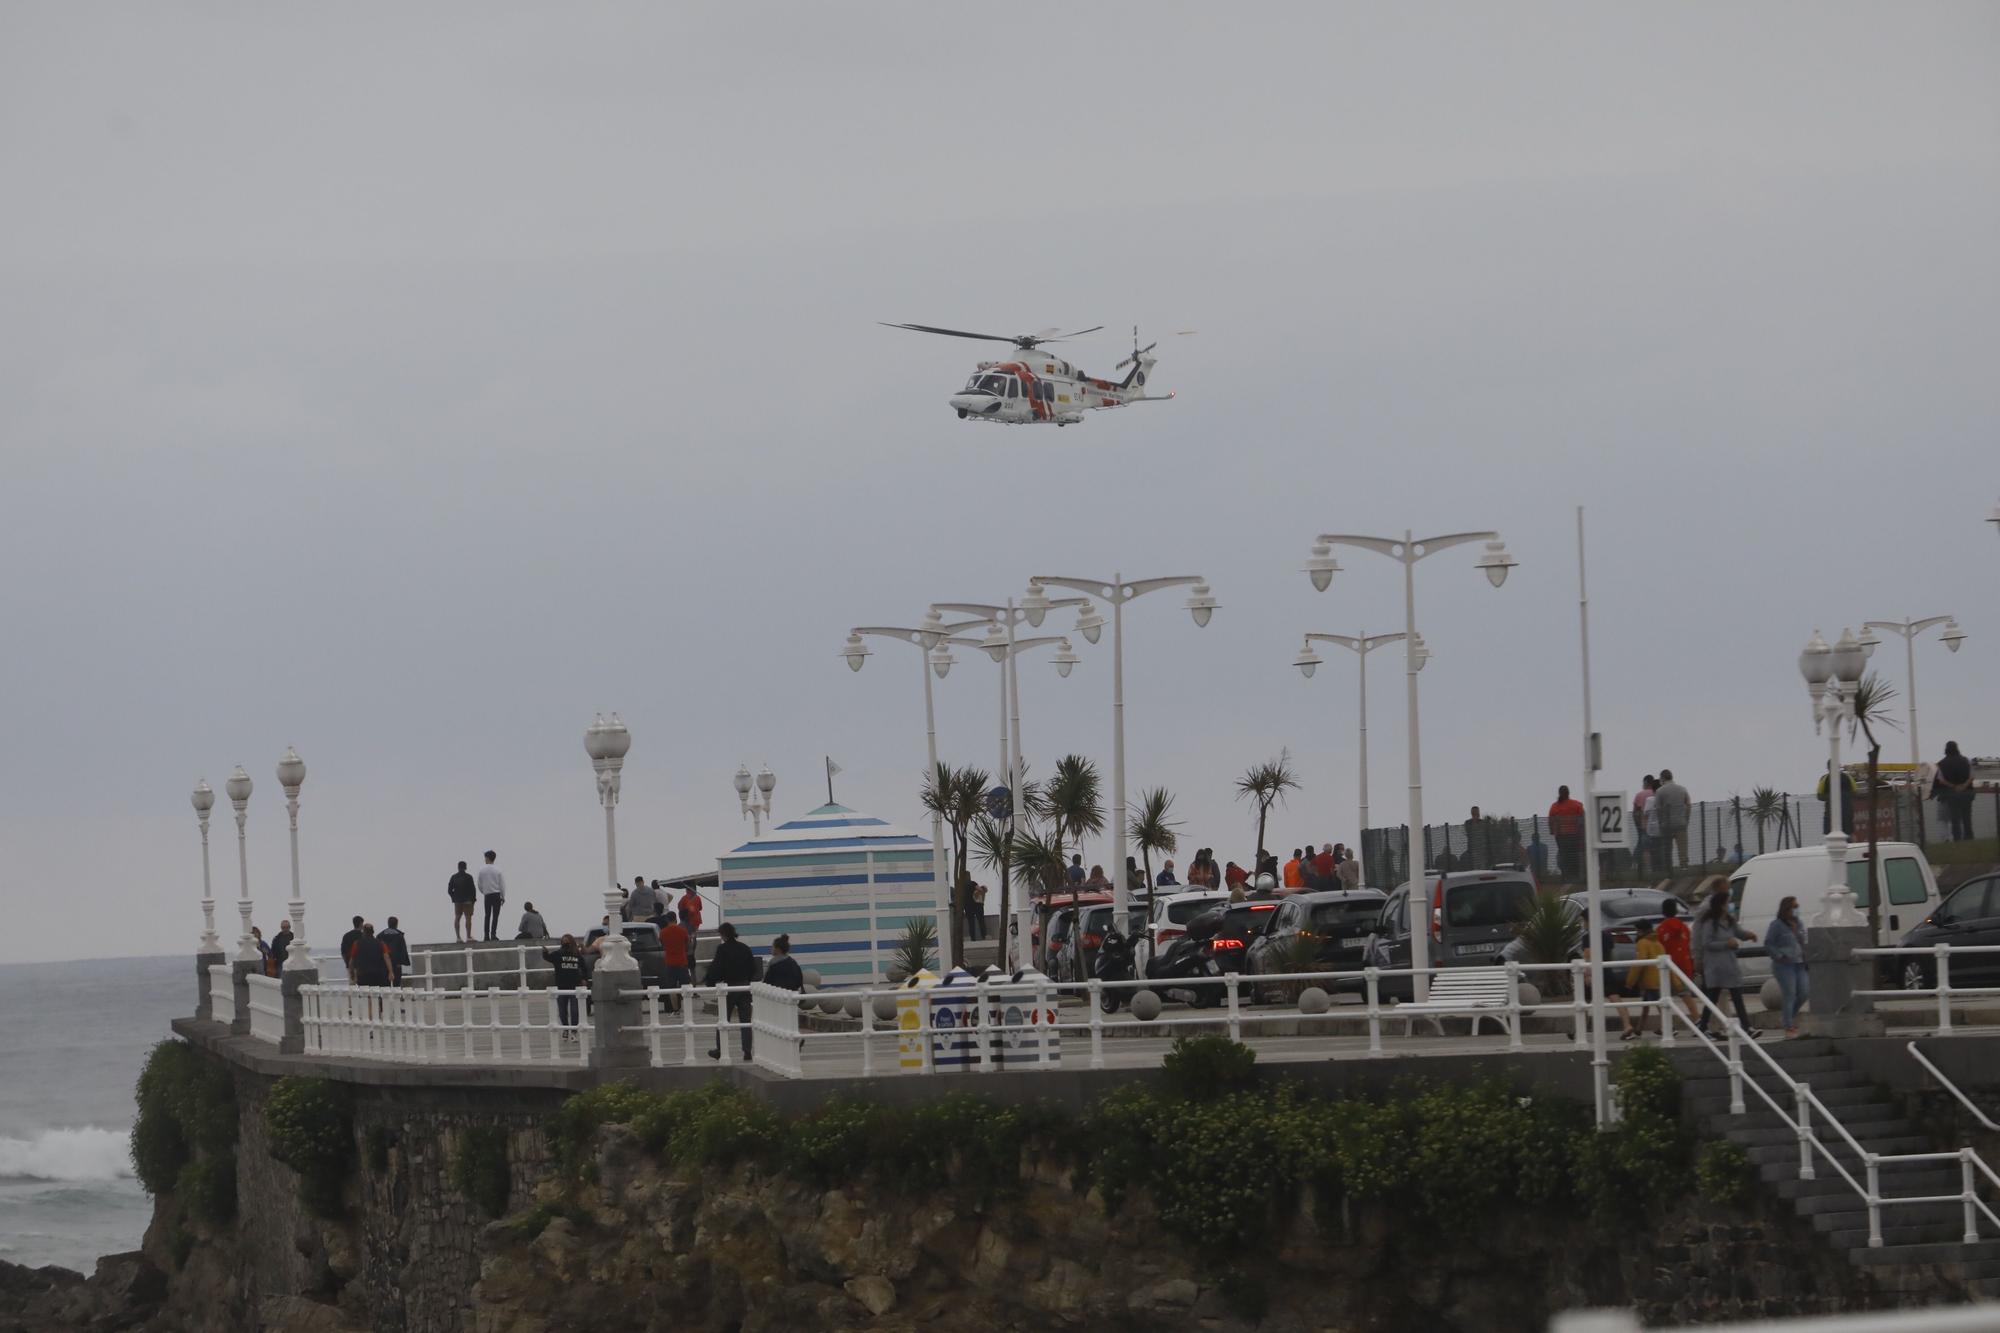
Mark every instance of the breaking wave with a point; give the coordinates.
(66, 1154)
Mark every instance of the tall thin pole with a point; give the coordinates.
(1361, 833)
(1910, 655)
(1015, 773)
(1600, 1057)
(1419, 904)
(1118, 887)
(941, 882)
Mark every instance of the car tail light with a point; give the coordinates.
(1437, 910)
(1225, 944)
(1170, 933)
(1092, 941)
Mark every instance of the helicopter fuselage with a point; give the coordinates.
(1034, 387)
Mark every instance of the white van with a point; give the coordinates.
(1909, 891)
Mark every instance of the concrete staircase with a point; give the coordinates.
(1922, 1248)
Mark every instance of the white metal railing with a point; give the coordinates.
(221, 993)
(1978, 1318)
(267, 1008)
(422, 1026)
(1952, 1088)
(1941, 990)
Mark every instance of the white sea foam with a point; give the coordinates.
(66, 1154)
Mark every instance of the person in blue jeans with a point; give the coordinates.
(1785, 942)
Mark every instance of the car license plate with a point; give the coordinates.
(1493, 947)
(1353, 942)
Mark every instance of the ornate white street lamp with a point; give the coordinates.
(1115, 590)
(607, 743)
(1951, 636)
(1360, 645)
(292, 776)
(239, 787)
(1496, 564)
(203, 799)
(764, 782)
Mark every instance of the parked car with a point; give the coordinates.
(1337, 922)
(1970, 916)
(1065, 964)
(1241, 925)
(1062, 907)
(1625, 910)
(1169, 921)
(1474, 913)
(1909, 890)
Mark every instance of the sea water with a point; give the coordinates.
(72, 1039)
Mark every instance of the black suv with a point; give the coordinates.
(1337, 922)
(1970, 916)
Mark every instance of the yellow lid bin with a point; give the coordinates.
(910, 1041)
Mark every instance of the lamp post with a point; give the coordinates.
(1832, 675)
(203, 799)
(932, 659)
(1200, 604)
(1952, 637)
(1360, 645)
(755, 811)
(292, 776)
(607, 743)
(238, 788)
(1409, 550)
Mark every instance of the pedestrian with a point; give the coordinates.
(642, 902)
(463, 894)
(569, 971)
(264, 967)
(783, 972)
(1640, 841)
(675, 971)
(492, 892)
(1097, 883)
(1952, 788)
(1295, 875)
(1075, 874)
(1538, 854)
(1785, 945)
(347, 943)
(1566, 826)
(532, 925)
(733, 965)
(1234, 877)
(1135, 878)
(1267, 864)
(1346, 867)
(690, 913)
(978, 910)
(1642, 979)
(1476, 851)
(1165, 879)
(398, 945)
(371, 963)
(1673, 803)
(281, 947)
(1677, 942)
(1326, 866)
(1717, 937)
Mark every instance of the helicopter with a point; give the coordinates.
(1034, 387)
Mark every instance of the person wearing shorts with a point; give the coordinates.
(463, 891)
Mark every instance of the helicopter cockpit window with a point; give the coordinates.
(993, 384)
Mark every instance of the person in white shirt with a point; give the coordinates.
(492, 892)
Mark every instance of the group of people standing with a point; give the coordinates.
(489, 887)
(1706, 951)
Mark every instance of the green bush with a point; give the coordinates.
(576, 1121)
(1648, 1084)
(1646, 1155)
(827, 1144)
(1201, 1068)
(159, 1150)
(479, 1167)
(717, 1125)
(207, 1188)
(311, 1126)
(1723, 1173)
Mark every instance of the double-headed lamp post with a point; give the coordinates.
(203, 799)
(1951, 637)
(1832, 676)
(239, 787)
(1495, 563)
(933, 660)
(1201, 604)
(607, 743)
(755, 808)
(292, 776)
(1360, 645)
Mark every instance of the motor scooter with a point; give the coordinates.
(1190, 961)
(1114, 963)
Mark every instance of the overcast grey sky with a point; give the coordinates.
(406, 384)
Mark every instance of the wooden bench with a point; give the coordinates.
(1474, 991)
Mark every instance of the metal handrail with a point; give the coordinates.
(1951, 1088)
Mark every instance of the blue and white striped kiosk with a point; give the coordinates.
(841, 883)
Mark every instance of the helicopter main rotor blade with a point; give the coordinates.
(949, 333)
(1078, 334)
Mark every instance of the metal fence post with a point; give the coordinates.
(1372, 979)
(1965, 1183)
(1095, 999)
(867, 1033)
(1943, 980)
(1513, 1005)
(984, 1028)
(1576, 1004)
(1666, 1001)
(1235, 1014)
(1803, 1096)
(1874, 1204)
(1735, 1066)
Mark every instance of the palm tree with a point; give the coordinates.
(1152, 831)
(957, 796)
(1072, 803)
(1266, 784)
(1871, 706)
(1767, 806)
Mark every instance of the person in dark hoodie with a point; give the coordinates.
(398, 945)
(571, 971)
(281, 947)
(732, 965)
(347, 943)
(783, 971)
